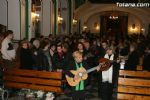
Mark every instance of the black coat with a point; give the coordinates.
(133, 61)
(146, 62)
(40, 60)
(35, 55)
(102, 52)
(67, 58)
(61, 62)
(87, 54)
(124, 51)
(26, 61)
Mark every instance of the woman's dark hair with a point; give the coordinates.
(32, 39)
(76, 46)
(59, 45)
(52, 44)
(8, 32)
(44, 43)
(65, 45)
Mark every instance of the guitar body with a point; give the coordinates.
(106, 64)
(73, 82)
(82, 73)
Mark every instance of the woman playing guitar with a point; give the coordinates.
(78, 90)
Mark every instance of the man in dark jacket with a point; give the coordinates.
(146, 61)
(59, 59)
(133, 59)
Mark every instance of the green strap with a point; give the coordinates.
(80, 86)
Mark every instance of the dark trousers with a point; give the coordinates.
(8, 64)
(78, 95)
(106, 91)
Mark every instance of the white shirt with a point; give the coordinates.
(7, 54)
(108, 74)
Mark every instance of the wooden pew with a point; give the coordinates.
(32, 79)
(133, 85)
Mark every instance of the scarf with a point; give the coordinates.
(61, 55)
(80, 86)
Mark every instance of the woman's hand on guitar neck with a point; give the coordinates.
(98, 68)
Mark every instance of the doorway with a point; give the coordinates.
(117, 28)
(113, 27)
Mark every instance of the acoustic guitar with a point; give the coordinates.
(82, 73)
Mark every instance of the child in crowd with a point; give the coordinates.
(26, 61)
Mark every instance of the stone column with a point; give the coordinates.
(46, 19)
(14, 18)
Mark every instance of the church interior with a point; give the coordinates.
(74, 49)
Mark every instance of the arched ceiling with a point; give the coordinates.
(88, 9)
(119, 13)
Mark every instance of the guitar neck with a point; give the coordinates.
(92, 69)
(100, 64)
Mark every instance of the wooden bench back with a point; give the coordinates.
(134, 85)
(32, 79)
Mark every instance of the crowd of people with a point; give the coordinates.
(62, 53)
